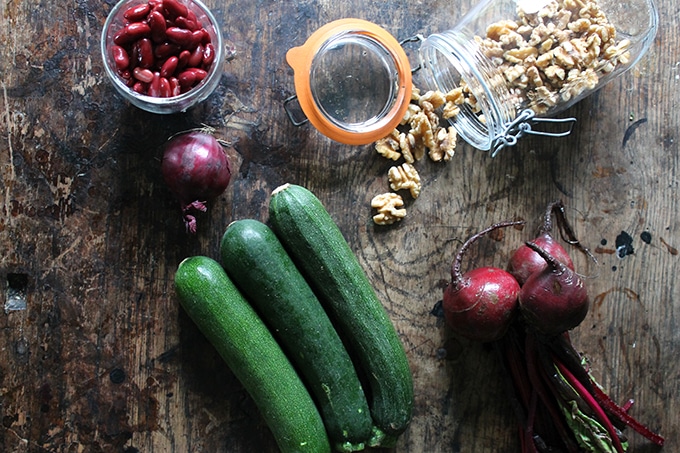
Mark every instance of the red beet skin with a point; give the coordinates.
(555, 299)
(481, 305)
(525, 262)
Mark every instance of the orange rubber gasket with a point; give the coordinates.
(301, 58)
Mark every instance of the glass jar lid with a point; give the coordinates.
(352, 80)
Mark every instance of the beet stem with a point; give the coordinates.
(566, 231)
(592, 403)
(547, 218)
(626, 407)
(538, 382)
(562, 347)
(531, 418)
(514, 394)
(456, 274)
(518, 373)
(556, 265)
(548, 374)
(620, 413)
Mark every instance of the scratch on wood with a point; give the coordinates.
(214, 422)
(672, 250)
(10, 149)
(57, 260)
(631, 129)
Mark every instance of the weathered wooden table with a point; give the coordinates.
(101, 359)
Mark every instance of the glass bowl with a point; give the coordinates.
(116, 21)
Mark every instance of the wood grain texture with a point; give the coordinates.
(103, 360)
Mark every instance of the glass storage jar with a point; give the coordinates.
(508, 63)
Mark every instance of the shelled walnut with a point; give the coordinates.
(405, 176)
(389, 206)
(389, 147)
(447, 139)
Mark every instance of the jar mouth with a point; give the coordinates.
(352, 81)
(452, 63)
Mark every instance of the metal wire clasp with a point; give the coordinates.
(521, 125)
(409, 40)
(295, 113)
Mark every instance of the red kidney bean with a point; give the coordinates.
(187, 79)
(196, 57)
(120, 57)
(174, 9)
(166, 50)
(199, 74)
(208, 55)
(183, 22)
(166, 92)
(184, 57)
(190, 78)
(180, 36)
(199, 37)
(143, 75)
(169, 67)
(137, 13)
(155, 86)
(175, 89)
(131, 33)
(158, 6)
(145, 55)
(157, 25)
(139, 87)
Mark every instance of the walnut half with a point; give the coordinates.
(389, 206)
(405, 176)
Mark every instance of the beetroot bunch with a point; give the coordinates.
(526, 312)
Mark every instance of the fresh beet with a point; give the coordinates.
(526, 261)
(196, 169)
(480, 304)
(555, 299)
(550, 384)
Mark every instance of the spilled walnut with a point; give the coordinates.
(405, 176)
(389, 206)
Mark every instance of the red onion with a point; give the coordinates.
(196, 169)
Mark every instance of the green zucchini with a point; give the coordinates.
(257, 263)
(245, 343)
(319, 249)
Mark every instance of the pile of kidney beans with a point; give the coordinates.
(163, 50)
